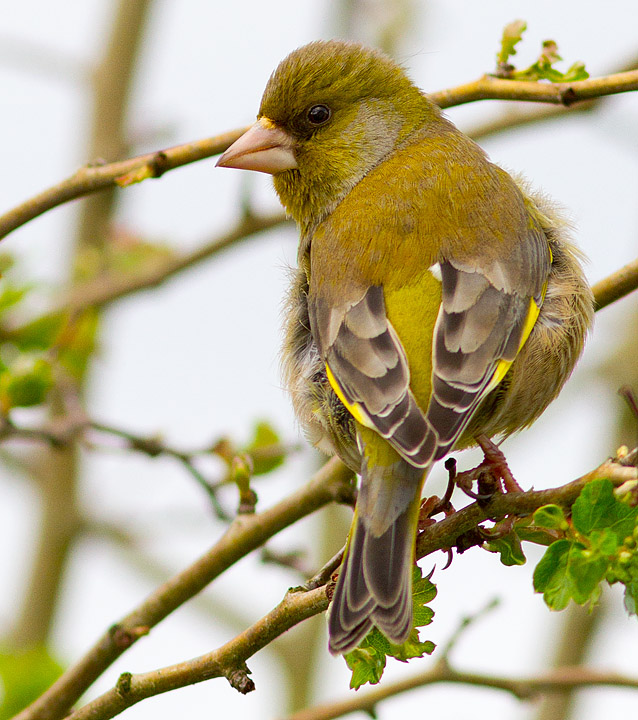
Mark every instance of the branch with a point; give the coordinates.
(616, 286)
(444, 533)
(106, 289)
(492, 88)
(516, 116)
(153, 165)
(229, 660)
(522, 688)
(92, 178)
(248, 532)
(62, 433)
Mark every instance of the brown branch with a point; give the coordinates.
(515, 117)
(616, 285)
(108, 288)
(522, 688)
(230, 659)
(248, 532)
(444, 533)
(492, 88)
(90, 179)
(153, 165)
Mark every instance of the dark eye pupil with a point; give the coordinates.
(318, 114)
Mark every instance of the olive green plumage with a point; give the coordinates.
(436, 298)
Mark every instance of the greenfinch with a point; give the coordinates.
(436, 299)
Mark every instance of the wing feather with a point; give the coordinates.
(481, 326)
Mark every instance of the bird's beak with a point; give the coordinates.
(263, 147)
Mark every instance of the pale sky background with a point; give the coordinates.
(198, 358)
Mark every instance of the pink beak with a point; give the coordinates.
(263, 147)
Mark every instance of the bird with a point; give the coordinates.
(436, 299)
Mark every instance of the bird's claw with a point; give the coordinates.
(488, 474)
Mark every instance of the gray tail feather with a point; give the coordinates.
(375, 583)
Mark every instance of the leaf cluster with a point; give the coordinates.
(599, 544)
(368, 661)
(32, 353)
(543, 68)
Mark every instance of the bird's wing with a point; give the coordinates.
(483, 321)
(481, 326)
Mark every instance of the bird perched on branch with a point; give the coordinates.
(436, 299)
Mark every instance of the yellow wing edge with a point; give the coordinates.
(355, 409)
(504, 365)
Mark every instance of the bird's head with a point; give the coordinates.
(330, 113)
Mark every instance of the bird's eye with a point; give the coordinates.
(319, 115)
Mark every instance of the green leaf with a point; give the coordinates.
(604, 541)
(10, 295)
(550, 572)
(576, 72)
(367, 665)
(39, 334)
(423, 592)
(551, 517)
(570, 571)
(598, 508)
(585, 570)
(510, 549)
(265, 439)
(24, 676)
(412, 648)
(25, 384)
(368, 661)
(512, 35)
(539, 536)
(543, 68)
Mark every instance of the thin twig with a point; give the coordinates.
(452, 641)
(524, 688)
(154, 446)
(104, 290)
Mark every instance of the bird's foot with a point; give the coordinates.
(495, 461)
(488, 474)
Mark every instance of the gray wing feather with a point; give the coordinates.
(480, 323)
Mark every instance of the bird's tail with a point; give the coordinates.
(375, 582)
